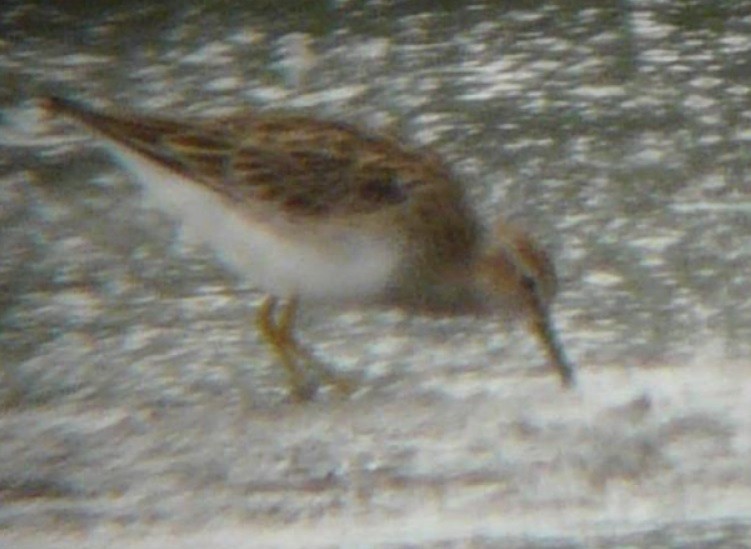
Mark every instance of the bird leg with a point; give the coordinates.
(298, 362)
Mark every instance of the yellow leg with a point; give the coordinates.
(283, 348)
(298, 362)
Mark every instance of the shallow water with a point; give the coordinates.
(138, 401)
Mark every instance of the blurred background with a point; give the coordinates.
(139, 405)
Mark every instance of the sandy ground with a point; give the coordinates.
(483, 461)
(141, 410)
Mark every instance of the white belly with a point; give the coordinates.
(279, 258)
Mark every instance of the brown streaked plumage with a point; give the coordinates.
(318, 210)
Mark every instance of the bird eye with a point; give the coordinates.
(529, 283)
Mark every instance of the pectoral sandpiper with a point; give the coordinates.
(314, 210)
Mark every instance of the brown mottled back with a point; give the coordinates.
(304, 165)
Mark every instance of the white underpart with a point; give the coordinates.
(317, 263)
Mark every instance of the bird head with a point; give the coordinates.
(519, 275)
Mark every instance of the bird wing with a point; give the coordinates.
(301, 165)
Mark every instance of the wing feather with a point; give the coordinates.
(302, 165)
